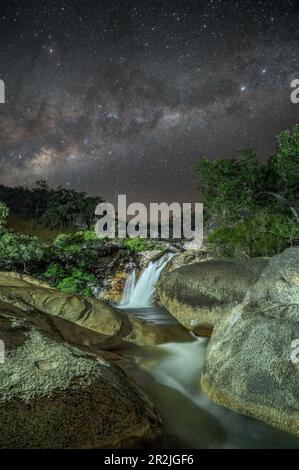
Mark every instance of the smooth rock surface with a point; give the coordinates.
(99, 322)
(200, 294)
(252, 365)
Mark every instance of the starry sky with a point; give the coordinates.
(123, 97)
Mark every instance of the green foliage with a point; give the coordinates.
(285, 163)
(69, 208)
(262, 235)
(135, 245)
(20, 252)
(78, 249)
(55, 208)
(4, 211)
(77, 238)
(79, 282)
(54, 273)
(229, 187)
(254, 207)
(74, 259)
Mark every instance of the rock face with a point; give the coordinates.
(187, 257)
(252, 364)
(113, 288)
(113, 284)
(200, 294)
(82, 321)
(52, 395)
(111, 260)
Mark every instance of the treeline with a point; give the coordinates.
(54, 208)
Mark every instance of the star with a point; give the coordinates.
(139, 91)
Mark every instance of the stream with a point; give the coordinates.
(170, 376)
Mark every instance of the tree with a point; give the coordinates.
(54, 208)
(283, 172)
(69, 208)
(229, 187)
(20, 252)
(4, 211)
(285, 162)
(253, 206)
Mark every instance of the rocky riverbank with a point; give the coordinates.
(252, 307)
(54, 395)
(61, 350)
(60, 386)
(249, 364)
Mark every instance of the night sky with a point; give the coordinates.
(123, 97)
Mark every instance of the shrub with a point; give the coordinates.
(54, 273)
(77, 249)
(285, 163)
(79, 282)
(20, 252)
(137, 244)
(262, 235)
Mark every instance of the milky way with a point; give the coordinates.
(123, 97)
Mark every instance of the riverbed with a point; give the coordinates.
(170, 374)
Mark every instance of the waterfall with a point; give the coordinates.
(139, 294)
(129, 286)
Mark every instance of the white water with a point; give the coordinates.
(139, 294)
(129, 286)
(170, 375)
(181, 365)
(190, 419)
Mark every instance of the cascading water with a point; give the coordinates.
(139, 294)
(129, 286)
(170, 374)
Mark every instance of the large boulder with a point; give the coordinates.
(53, 395)
(187, 257)
(99, 322)
(252, 365)
(200, 294)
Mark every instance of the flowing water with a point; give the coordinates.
(170, 376)
(129, 286)
(139, 294)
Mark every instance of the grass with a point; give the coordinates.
(19, 223)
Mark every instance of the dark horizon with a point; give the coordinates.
(123, 97)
